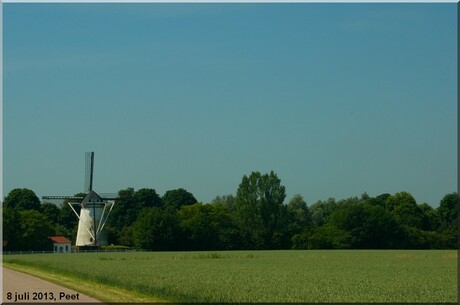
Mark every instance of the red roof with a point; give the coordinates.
(59, 239)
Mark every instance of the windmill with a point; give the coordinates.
(94, 211)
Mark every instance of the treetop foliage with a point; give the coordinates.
(257, 217)
(176, 198)
(22, 199)
(259, 200)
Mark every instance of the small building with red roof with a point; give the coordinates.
(61, 244)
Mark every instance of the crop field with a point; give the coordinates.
(264, 276)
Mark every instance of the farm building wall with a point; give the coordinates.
(62, 248)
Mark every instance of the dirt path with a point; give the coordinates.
(23, 288)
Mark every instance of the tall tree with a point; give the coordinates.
(124, 211)
(196, 223)
(156, 229)
(147, 198)
(11, 229)
(321, 210)
(448, 208)
(35, 229)
(67, 217)
(380, 200)
(174, 199)
(448, 211)
(431, 219)
(405, 209)
(298, 215)
(224, 223)
(228, 200)
(22, 199)
(51, 211)
(370, 227)
(124, 214)
(259, 202)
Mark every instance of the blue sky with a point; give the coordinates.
(337, 99)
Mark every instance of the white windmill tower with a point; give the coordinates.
(94, 211)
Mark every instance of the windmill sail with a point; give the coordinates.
(89, 167)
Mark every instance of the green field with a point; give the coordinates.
(263, 276)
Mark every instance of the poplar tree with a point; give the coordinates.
(259, 206)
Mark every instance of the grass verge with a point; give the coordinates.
(101, 292)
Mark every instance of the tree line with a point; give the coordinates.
(256, 217)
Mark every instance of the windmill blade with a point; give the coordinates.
(109, 196)
(69, 198)
(89, 167)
